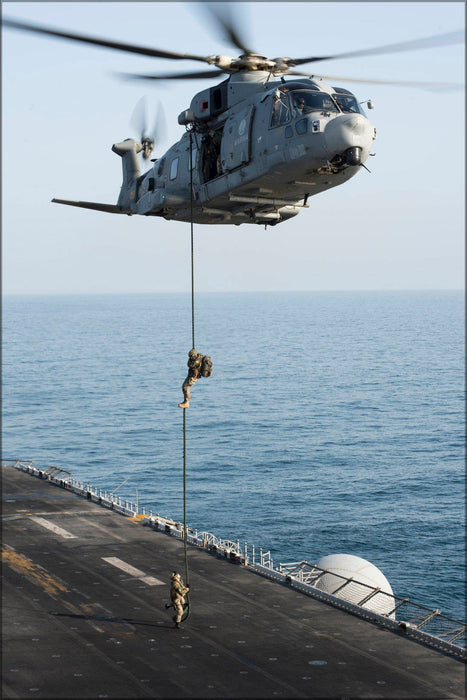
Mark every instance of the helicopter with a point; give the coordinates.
(256, 146)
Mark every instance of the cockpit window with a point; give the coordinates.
(280, 109)
(348, 103)
(307, 101)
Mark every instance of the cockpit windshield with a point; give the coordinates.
(294, 102)
(348, 103)
(306, 101)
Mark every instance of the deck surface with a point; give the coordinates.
(77, 625)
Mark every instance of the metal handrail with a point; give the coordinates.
(306, 574)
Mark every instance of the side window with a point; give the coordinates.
(194, 155)
(161, 167)
(301, 126)
(280, 110)
(174, 169)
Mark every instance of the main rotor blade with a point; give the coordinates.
(376, 81)
(95, 41)
(222, 14)
(172, 76)
(414, 45)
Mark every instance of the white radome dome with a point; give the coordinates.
(362, 572)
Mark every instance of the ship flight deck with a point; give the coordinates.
(84, 594)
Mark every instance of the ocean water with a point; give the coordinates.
(333, 422)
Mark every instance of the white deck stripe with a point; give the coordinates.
(152, 581)
(115, 561)
(132, 571)
(54, 528)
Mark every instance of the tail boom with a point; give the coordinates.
(96, 206)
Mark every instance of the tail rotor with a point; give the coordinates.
(139, 122)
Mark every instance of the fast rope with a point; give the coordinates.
(187, 578)
(187, 575)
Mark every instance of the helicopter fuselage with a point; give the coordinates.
(257, 146)
(258, 150)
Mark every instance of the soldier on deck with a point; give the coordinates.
(177, 595)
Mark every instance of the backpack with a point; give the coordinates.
(206, 366)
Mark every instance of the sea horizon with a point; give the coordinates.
(333, 422)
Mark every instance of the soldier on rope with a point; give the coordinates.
(198, 366)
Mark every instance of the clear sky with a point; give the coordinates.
(400, 227)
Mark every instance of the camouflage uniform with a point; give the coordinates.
(195, 360)
(177, 596)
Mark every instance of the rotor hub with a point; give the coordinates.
(148, 146)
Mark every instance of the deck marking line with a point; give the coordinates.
(54, 528)
(132, 571)
(151, 581)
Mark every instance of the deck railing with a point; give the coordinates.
(405, 615)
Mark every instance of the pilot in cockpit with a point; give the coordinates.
(299, 106)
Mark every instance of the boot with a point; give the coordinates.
(185, 404)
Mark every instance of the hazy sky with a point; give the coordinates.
(400, 227)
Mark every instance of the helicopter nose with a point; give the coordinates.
(349, 131)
